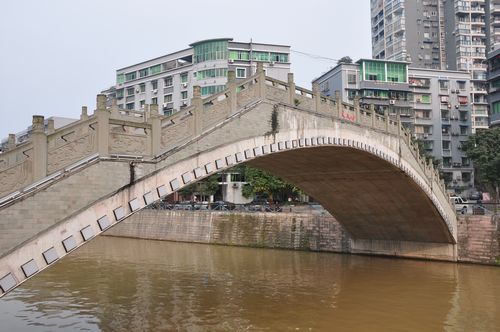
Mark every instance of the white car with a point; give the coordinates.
(460, 204)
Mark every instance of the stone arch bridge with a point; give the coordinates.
(63, 187)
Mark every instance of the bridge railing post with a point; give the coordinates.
(291, 89)
(231, 85)
(102, 115)
(386, 118)
(39, 148)
(115, 111)
(338, 103)
(197, 103)
(261, 81)
(357, 109)
(84, 115)
(317, 97)
(155, 122)
(372, 114)
(11, 141)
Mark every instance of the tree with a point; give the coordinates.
(260, 182)
(344, 59)
(423, 152)
(206, 187)
(483, 148)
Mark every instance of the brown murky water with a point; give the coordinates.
(116, 284)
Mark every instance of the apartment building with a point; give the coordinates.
(168, 80)
(493, 34)
(433, 104)
(437, 34)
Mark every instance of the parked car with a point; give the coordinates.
(461, 205)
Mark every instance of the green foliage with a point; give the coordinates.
(345, 59)
(483, 148)
(206, 187)
(260, 182)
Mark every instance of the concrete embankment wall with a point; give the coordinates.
(479, 236)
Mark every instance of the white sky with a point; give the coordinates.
(56, 55)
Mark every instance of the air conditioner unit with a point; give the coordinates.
(137, 90)
(155, 91)
(235, 185)
(164, 105)
(272, 63)
(184, 85)
(457, 91)
(426, 136)
(230, 60)
(183, 104)
(392, 102)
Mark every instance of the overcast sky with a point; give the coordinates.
(56, 55)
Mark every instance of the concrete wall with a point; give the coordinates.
(479, 236)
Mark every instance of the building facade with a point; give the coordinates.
(493, 33)
(168, 80)
(433, 104)
(437, 34)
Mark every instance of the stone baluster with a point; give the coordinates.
(115, 112)
(356, 109)
(261, 81)
(155, 122)
(50, 126)
(291, 89)
(102, 126)
(84, 115)
(231, 85)
(372, 114)
(11, 142)
(197, 103)
(338, 102)
(39, 139)
(316, 97)
(386, 118)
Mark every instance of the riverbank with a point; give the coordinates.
(478, 236)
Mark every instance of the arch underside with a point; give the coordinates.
(370, 197)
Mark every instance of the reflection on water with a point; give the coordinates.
(116, 284)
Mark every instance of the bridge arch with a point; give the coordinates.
(418, 216)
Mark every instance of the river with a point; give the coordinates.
(119, 284)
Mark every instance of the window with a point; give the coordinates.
(461, 85)
(130, 76)
(209, 51)
(463, 100)
(423, 114)
(396, 72)
(142, 87)
(143, 72)
(119, 93)
(444, 85)
(120, 78)
(210, 90)
(129, 106)
(155, 69)
(142, 103)
(421, 98)
(239, 55)
(154, 101)
(496, 108)
(279, 57)
(130, 91)
(464, 130)
(184, 95)
(374, 71)
(260, 56)
(168, 81)
(444, 99)
(184, 78)
(241, 73)
(446, 145)
(211, 73)
(167, 98)
(154, 85)
(351, 78)
(419, 82)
